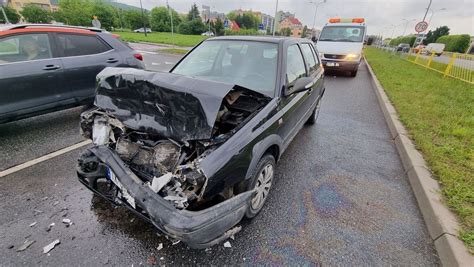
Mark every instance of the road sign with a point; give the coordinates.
(421, 26)
(226, 23)
(260, 26)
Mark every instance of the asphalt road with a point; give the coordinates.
(340, 198)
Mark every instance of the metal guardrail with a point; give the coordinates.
(455, 65)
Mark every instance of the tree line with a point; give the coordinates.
(81, 12)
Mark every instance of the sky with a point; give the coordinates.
(382, 17)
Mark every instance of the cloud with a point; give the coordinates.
(379, 14)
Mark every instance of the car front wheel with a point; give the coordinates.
(261, 182)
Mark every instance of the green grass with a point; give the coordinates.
(162, 38)
(439, 115)
(178, 51)
(7, 47)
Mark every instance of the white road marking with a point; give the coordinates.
(155, 63)
(43, 158)
(147, 52)
(169, 63)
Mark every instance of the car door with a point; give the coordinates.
(83, 57)
(293, 105)
(315, 72)
(30, 74)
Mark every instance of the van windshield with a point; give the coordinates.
(342, 34)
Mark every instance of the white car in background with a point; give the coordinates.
(142, 30)
(207, 33)
(437, 48)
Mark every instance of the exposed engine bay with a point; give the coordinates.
(170, 167)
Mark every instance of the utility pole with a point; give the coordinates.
(274, 21)
(315, 11)
(143, 18)
(171, 18)
(5, 15)
(424, 17)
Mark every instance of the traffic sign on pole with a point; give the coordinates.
(421, 26)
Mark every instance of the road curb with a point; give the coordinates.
(442, 224)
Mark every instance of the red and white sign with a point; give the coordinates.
(421, 26)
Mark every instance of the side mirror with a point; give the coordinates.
(314, 39)
(300, 85)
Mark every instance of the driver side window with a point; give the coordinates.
(295, 67)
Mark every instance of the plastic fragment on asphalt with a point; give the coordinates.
(38, 211)
(175, 242)
(55, 203)
(160, 246)
(25, 245)
(162, 258)
(227, 244)
(50, 246)
(49, 227)
(67, 222)
(33, 224)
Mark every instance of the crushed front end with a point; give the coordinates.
(151, 135)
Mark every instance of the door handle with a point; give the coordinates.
(51, 67)
(112, 60)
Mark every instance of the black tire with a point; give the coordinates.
(314, 116)
(353, 73)
(255, 184)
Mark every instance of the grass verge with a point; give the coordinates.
(439, 115)
(177, 51)
(162, 38)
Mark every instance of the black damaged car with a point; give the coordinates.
(194, 150)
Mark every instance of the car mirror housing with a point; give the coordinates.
(300, 85)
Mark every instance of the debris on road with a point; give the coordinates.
(37, 211)
(32, 224)
(25, 245)
(50, 246)
(49, 227)
(67, 222)
(160, 246)
(55, 203)
(227, 244)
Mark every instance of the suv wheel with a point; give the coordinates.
(261, 182)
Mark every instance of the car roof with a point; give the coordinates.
(46, 27)
(270, 39)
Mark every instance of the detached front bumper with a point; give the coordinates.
(199, 229)
(340, 65)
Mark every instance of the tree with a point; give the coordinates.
(133, 19)
(219, 27)
(194, 13)
(304, 32)
(35, 14)
(247, 20)
(12, 16)
(75, 12)
(160, 19)
(285, 32)
(192, 27)
(432, 36)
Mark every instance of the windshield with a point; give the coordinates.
(250, 64)
(342, 34)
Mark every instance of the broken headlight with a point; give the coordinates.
(100, 131)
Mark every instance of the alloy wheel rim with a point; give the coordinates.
(262, 187)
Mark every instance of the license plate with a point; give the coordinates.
(332, 64)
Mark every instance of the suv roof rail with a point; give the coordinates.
(21, 26)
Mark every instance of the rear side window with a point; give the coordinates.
(311, 61)
(80, 45)
(24, 47)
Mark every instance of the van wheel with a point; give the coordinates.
(261, 182)
(353, 73)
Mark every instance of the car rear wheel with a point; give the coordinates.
(261, 182)
(314, 116)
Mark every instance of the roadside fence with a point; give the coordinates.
(455, 65)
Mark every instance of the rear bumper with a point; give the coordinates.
(340, 65)
(198, 229)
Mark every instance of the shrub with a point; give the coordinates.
(242, 32)
(409, 39)
(455, 43)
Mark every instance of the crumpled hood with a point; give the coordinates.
(167, 104)
(339, 48)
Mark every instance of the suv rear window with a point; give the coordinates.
(79, 45)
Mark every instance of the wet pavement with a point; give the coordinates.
(340, 198)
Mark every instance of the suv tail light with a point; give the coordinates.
(138, 56)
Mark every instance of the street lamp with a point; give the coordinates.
(316, 10)
(406, 25)
(432, 13)
(143, 18)
(274, 21)
(171, 20)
